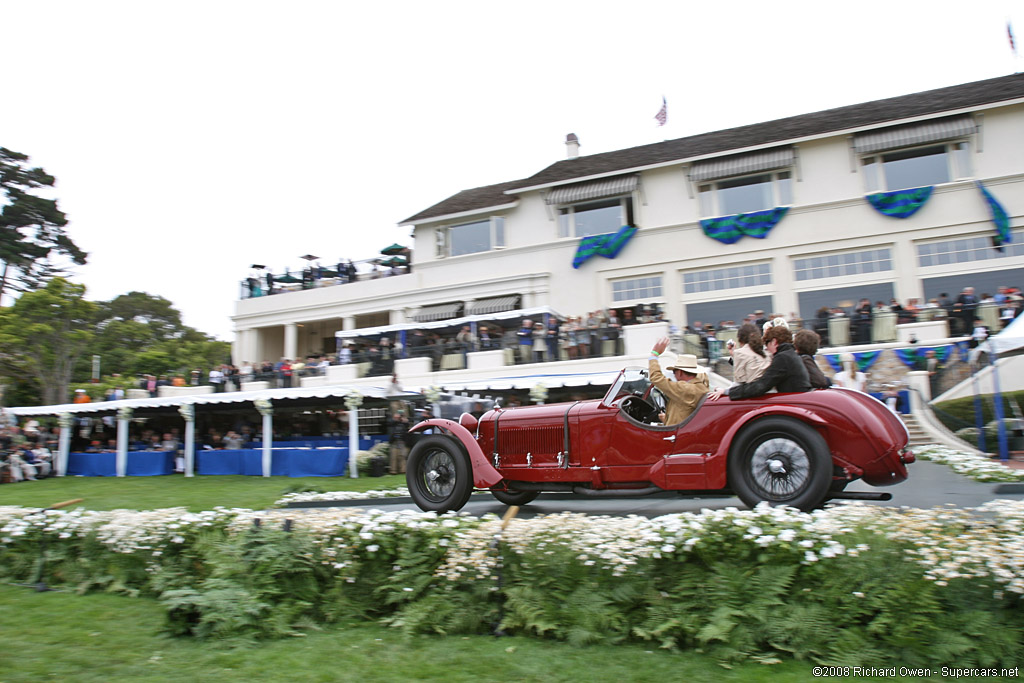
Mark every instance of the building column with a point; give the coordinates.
(907, 283)
(121, 459)
(397, 316)
(67, 424)
(785, 299)
(348, 322)
(291, 340)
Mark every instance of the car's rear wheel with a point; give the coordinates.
(515, 498)
(439, 474)
(781, 461)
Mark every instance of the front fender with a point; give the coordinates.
(484, 474)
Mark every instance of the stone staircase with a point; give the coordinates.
(918, 436)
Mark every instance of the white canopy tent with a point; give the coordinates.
(1009, 339)
(262, 401)
(451, 322)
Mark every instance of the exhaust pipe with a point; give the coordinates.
(861, 495)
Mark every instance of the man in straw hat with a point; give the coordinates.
(685, 393)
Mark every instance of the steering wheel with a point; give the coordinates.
(638, 408)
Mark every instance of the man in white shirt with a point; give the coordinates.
(217, 380)
(851, 377)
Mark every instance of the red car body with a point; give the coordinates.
(609, 447)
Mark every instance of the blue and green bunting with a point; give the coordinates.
(729, 229)
(864, 360)
(608, 245)
(911, 356)
(901, 203)
(999, 218)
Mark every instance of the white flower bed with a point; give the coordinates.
(973, 465)
(948, 543)
(310, 496)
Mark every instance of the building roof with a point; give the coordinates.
(867, 114)
(468, 200)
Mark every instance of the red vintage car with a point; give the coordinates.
(797, 449)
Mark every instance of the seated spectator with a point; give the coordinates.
(786, 373)
(806, 344)
(233, 441)
(748, 358)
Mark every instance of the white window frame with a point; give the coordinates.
(565, 216)
(709, 205)
(848, 264)
(967, 249)
(635, 291)
(443, 236)
(724, 275)
(958, 164)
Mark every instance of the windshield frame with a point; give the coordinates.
(631, 380)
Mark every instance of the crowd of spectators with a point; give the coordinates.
(26, 453)
(313, 275)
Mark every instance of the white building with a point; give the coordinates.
(512, 245)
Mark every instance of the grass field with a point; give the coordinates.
(65, 637)
(195, 493)
(103, 637)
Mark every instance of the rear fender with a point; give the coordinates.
(794, 412)
(484, 474)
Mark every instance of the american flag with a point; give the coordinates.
(1009, 34)
(662, 116)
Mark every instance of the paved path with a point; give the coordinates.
(929, 485)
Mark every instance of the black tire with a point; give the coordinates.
(781, 461)
(439, 474)
(517, 498)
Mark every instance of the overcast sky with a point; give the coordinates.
(191, 139)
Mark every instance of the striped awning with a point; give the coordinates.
(595, 189)
(741, 164)
(493, 305)
(438, 312)
(914, 134)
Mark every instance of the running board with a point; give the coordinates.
(616, 493)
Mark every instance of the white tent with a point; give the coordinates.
(1011, 338)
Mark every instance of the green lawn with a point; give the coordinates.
(194, 493)
(101, 637)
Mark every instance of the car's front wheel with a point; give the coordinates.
(781, 461)
(439, 474)
(515, 498)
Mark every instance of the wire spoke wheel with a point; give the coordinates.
(438, 474)
(780, 467)
(781, 461)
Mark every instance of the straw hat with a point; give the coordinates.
(686, 362)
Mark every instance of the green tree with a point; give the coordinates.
(31, 227)
(140, 333)
(44, 335)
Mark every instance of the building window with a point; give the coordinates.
(918, 167)
(595, 218)
(967, 249)
(637, 288)
(746, 194)
(471, 238)
(844, 264)
(734, 277)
